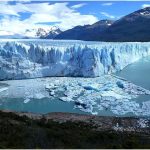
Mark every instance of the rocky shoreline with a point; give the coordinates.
(68, 130)
(136, 124)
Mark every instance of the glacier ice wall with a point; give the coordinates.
(20, 59)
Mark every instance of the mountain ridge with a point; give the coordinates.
(86, 31)
(39, 33)
(133, 27)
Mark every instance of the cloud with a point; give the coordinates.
(78, 5)
(59, 14)
(107, 4)
(21, 1)
(5, 33)
(108, 15)
(145, 5)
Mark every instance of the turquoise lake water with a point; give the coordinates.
(139, 74)
(43, 106)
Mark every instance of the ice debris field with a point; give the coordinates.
(92, 95)
(22, 59)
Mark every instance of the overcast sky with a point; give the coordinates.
(16, 17)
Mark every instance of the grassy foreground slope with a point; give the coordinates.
(62, 130)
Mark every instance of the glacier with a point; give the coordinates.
(21, 59)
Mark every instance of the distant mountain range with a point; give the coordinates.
(86, 32)
(133, 27)
(41, 33)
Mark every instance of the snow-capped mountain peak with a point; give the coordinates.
(142, 13)
(145, 11)
(46, 33)
(42, 33)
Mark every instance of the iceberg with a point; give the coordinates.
(20, 59)
(26, 100)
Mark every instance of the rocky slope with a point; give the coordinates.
(87, 32)
(131, 28)
(62, 130)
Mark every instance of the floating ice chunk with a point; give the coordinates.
(39, 96)
(50, 86)
(100, 107)
(94, 113)
(26, 100)
(3, 89)
(73, 93)
(52, 92)
(91, 86)
(112, 94)
(57, 82)
(68, 99)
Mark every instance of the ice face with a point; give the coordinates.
(30, 59)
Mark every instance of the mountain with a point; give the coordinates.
(52, 33)
(35, 33)
(130, 28)
(49, 33)
(42, 33)
(133, 27)
(86, 32)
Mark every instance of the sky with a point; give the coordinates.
(18, 16)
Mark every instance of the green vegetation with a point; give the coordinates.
(23, 132)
